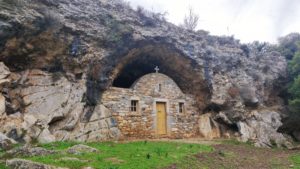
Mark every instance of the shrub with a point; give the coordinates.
(190, 21)
(294, 88)
(123, 4)
(150, 18)
(14, 2)
(294, 65)
(245, 50)
(288, 45)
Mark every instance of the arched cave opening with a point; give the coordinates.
(186, 73)
(135, 69)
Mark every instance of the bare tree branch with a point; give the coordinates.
(191, 20)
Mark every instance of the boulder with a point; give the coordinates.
(4, 72)
(26, 164)
(46, 137)
(73, 159)
(5, 142)
(247, 133)
(2, 105)
(262, 129)
(30, 151)
(208, 128)
(80, 148)
(247, 93)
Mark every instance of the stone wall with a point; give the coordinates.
(142, 123)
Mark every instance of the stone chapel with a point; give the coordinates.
(153, 107)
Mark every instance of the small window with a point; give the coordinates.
(159, 87)
(181, 107)
(134, 106)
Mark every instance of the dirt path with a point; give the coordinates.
(229, 156)
(191, 140)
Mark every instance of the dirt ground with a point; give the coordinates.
(230, 156)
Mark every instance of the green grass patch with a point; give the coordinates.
(236, 142)
(296, 161)
(2, 166)
(1, 152)
(58, 145)
(138, 155)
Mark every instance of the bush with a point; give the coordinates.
(294, 88)
(190, 21)
(245, 49)
(14, 2)
(294, 65)
(288, 45)
(150, 18)
(123, 3)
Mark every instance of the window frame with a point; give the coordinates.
(134, 105)
(181, 107)
(159, 87)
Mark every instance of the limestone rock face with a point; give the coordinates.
(262, 128)
(53, 110)
(4, 72)
(57, 58)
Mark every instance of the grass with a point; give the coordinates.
(296, 160)
(151, 155)
(2, 166)
(138, 155)
(236, 142)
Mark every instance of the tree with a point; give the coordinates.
(288, 45)
(294, 89)
(294, 65)
(191, 20)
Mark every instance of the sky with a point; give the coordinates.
(247, 20)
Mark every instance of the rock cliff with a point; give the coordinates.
(59, 56)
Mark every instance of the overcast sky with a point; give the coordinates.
(247, 20)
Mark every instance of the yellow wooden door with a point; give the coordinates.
(161, 118)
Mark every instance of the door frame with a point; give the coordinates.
(166, 101)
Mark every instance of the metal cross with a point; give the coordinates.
(156, 69)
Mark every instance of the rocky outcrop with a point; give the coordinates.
(26, 164)
(64, 54)
(5, 142)
(53, 108)
(80, 148)
(262, 128)
(27, 151)
(208, 128)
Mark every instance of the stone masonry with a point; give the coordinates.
(148, 90)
